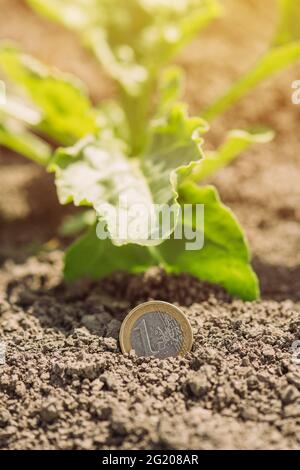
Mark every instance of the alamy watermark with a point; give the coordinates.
(2, 353)
(296, 92)
(149, 224)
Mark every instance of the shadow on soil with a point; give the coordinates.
(278, 282)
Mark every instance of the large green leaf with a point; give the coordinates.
(97, 172)
(224, 259)
(90, 257)
(67, 114)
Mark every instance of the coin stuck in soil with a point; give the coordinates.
(157, 329)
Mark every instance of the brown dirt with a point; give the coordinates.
(65, 384)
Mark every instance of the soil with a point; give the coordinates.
(65, 384)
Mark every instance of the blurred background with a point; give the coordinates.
(262, 186)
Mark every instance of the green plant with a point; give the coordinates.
(143, 145)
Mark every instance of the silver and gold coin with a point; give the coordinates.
(156, 329)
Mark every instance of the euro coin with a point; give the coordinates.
(156, 329)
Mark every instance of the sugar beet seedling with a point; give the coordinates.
(146, 131)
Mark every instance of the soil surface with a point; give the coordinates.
(65, 384)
